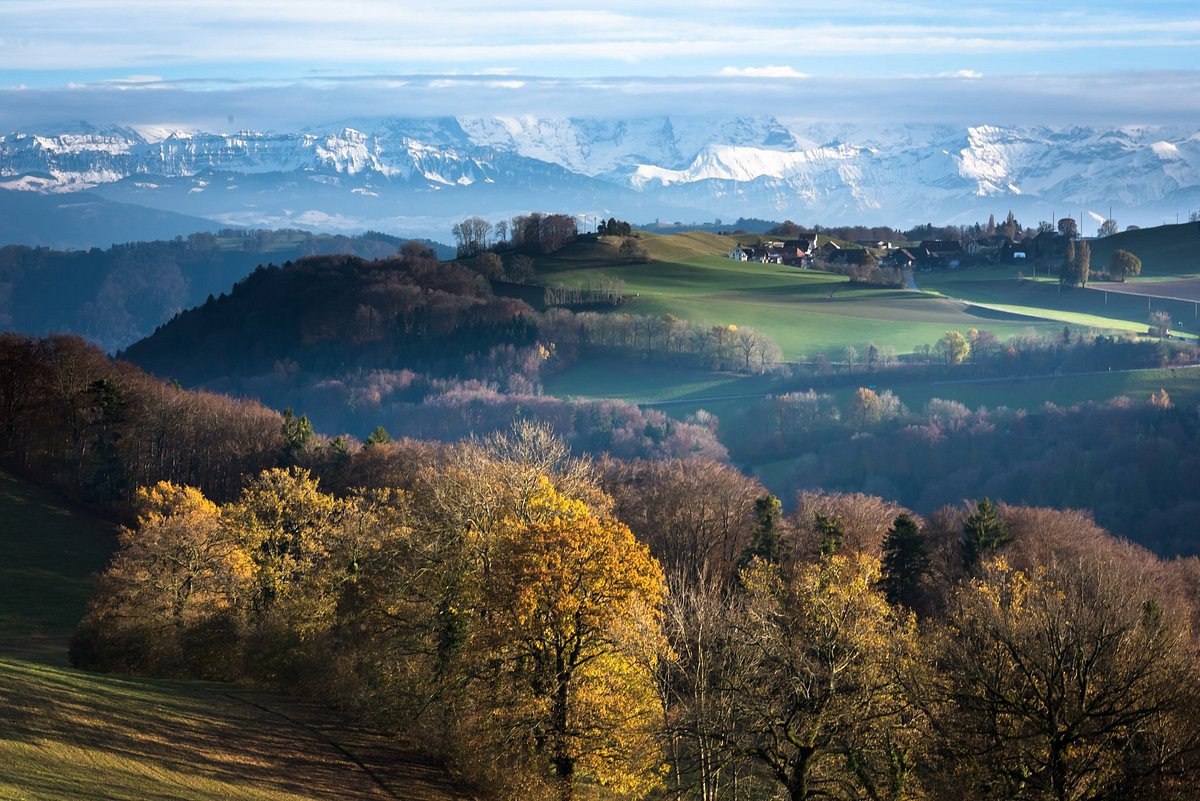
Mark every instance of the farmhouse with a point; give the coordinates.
(988, 245)
(948, 252)
(900, 259)
(798, 252)
(794, 252)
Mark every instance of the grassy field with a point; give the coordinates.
(1165, 250)
(1187, 289)
(1000, 288)
(67, 735)
(805, 311)
(680, 392)
(1183, 385)
(809, 312)
(48, 554)
(641, 383)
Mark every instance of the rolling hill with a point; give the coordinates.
(67, 735)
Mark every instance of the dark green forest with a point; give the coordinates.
(120, 295)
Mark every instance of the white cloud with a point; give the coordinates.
(1110, 100)
(678, 37)
(761, 72)
(135, 79)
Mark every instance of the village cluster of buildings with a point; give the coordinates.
(930, 254)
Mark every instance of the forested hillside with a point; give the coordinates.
(335, 313)
(119, 295)
(562, 626)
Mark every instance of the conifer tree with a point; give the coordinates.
(379, 436)
(832, 531)
(905, 562)
(983, 534)
(768, 511)
(1067, 271)
(1083, 263)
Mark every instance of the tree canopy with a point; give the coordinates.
(1123, 264)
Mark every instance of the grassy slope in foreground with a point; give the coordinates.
(67, 735)
(48, 555)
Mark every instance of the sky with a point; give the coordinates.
(282, 64)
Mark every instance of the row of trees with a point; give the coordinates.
(662, 338)
(1077, 264)
(535, 233)
(494, 601)
(97, 429)
(1009, 227)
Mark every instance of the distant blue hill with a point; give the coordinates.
(81, 220)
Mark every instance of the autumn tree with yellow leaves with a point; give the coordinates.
(177, 569)
(817, 694)
(534, 617)
(573, 611)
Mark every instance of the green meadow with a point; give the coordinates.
(1165, 250)
(49, 553)
(75, 736)
(1004, 289)
(680, 392)
(643, 383)
(805, 311)
(809, 313)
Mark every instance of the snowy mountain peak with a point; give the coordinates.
(639, 167)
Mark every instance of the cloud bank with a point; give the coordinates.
(1111, 99)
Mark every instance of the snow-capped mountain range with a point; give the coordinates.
(417, 176)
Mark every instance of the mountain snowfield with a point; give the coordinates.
(420, 175)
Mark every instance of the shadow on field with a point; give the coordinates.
(146, 739)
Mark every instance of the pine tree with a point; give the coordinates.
(768, 511)
(379, 436)
(905, 562)
(983, 534)
(832, 531)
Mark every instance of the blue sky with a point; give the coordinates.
(276, 63)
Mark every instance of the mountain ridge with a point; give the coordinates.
(423, 173)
